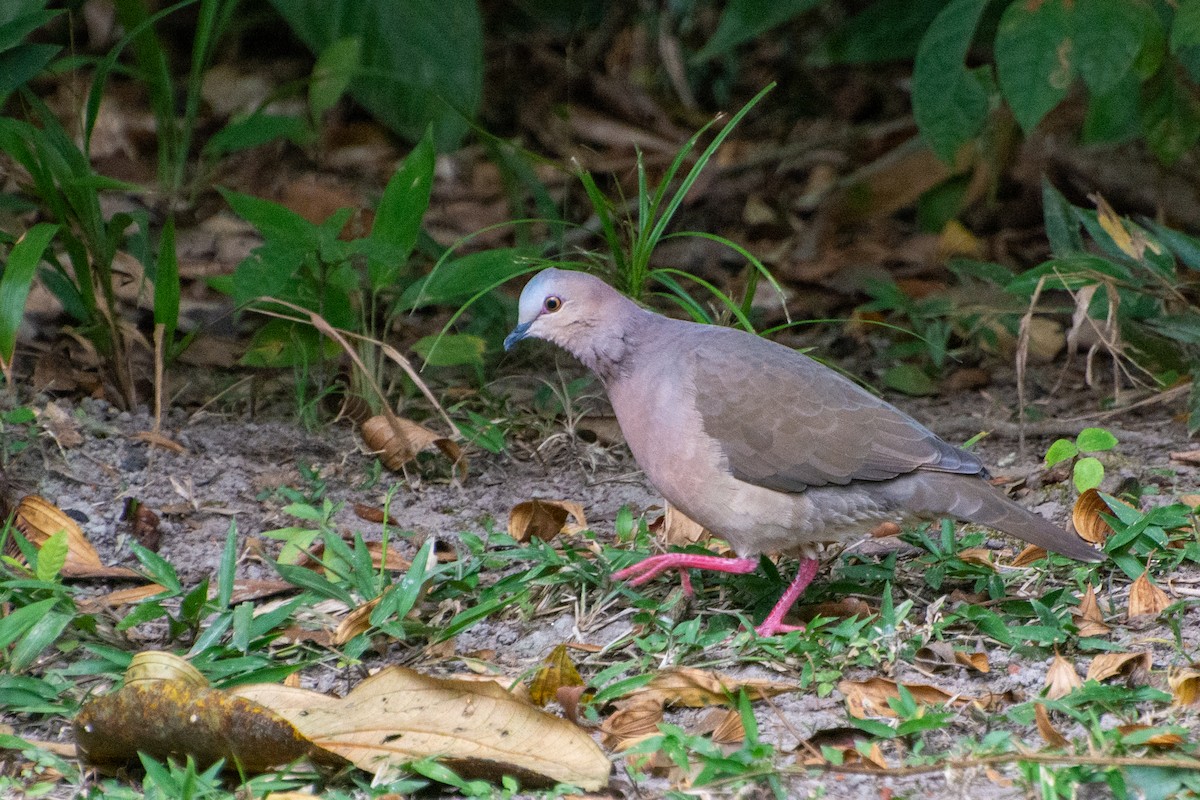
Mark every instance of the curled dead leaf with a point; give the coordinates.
(939, 655)
(398, 715)
(846, 741)
(635, 719)
(1085, 516)
(1157, 739)
(1146, 598)
(398, 441)
(978, 555)
(1029, 555)
(1187, 457)
(38, 519)
(1046, 727)
(676, 528)
(557, 672)
(157, 665)
(1061, 678)
(1185, 685)
(869, 698)
(1133, 666)
(1088, 618)
(545, 519)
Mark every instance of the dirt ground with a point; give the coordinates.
(232, 464)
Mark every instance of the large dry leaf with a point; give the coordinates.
(545, 519)
(869, 698)
(687, 686)
(557, 672)
(398, 441)
(677, 529)
(1146, 598)
(1085, 516)
(1134, 666)
(939, 655)
(1185, 685)
(635, 719)
(1061, 678)
(399, 715)
(167, 710)
(1029, 555)
(1046, 727)
(1089, 618)
(38, 519)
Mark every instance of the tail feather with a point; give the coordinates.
(972, 499)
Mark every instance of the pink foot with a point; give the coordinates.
(774, 623)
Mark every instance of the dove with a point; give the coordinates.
(765, 447)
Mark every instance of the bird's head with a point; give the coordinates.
(567, 308)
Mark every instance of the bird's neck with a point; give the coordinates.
(609, 352)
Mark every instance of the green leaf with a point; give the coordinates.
(422, 60)
(256, 130)
(1094, 440)
(1185, 28)
(950, 104)
(40, 635)
(19, 65)
(52, 555)
(888, 30)
(1034, 61)
(909, 379)
(1061, 450)
(1112, 117)
(401, 209)
(16, 623)
(451, 350)
(16, 281)
(1169, 117)
(460, 279)
(1089, 473)
(1108, 37)
(743, 20)
(272, 220)
(334, 70)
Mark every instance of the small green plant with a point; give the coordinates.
(1088, 470)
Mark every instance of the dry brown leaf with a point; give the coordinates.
(1029, 555)
(844, 740)
(166, 709)
(60, 425)
(688, 686)
(939, 655)
(1146, 598)
(1085, 516)
(1088, 618)
(356, 622)
(676, 528)
(1187, 457)
(837, 609)
(869, 698)
(1192, 500)
(545, 519)
(1134, 666)
(399, 715)
(1046, 727)
(1185, 685)
(635, 719)
(557, 672)
(399, 440)
(38, 519)
(1061, 678)
(729, 728)
(1162, 739)
(159, 440)
(121, 597)
(978, 555)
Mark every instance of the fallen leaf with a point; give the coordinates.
(635, 719)
(939, 655)
(38, 519)
(845, 741)
(1146, 598)
(1085, 516)
(398, 441)
(695, 688)
(1159, 739)
(1061, 678)
(1047, 729)
(1029, 555)
(1088, 618)
(1134, 666)
(677, 529)
(121, 597)
(398, 715)
(60, 425)
(1132, 243)
(544, 519)
(143, 524)
(1187, 457)
(978, 555)
(557, 672)
(155, 439)
(356, 622)
(869, 698)
(837, 609)
(1185, 685)
(729, 728)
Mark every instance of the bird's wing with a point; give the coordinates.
(786, 422)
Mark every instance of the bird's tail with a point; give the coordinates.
(972, 499)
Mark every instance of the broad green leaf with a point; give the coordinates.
(1061, 450)
(1094, 440)
(950, 104)
(256, 130)
(401, 209)
(1034, 58)
(742, 20)
(19, 20)
(16, 281)
(334, 70)
(1089, 473)
(52, 555)
(909, 379)
(17, 622)
(451, 350)
(1108, 37)
(1185, 28)
(888, 30)
(460, 279)
(272, 219)
(40, 635)
(1186, 247)
(1183, 328)
(422, 60)
(1112, 117)
(1170, 117)
(21, 64)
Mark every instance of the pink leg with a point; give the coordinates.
(774, 623)
(647, 568)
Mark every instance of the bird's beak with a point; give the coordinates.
(518, 333)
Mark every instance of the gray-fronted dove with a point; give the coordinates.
(765, 447)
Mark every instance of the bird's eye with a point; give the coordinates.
(552, 304)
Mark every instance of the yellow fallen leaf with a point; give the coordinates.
(1185, 685)
(1135, 666)
(557, 671)
(399, 715)
(545, 519)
